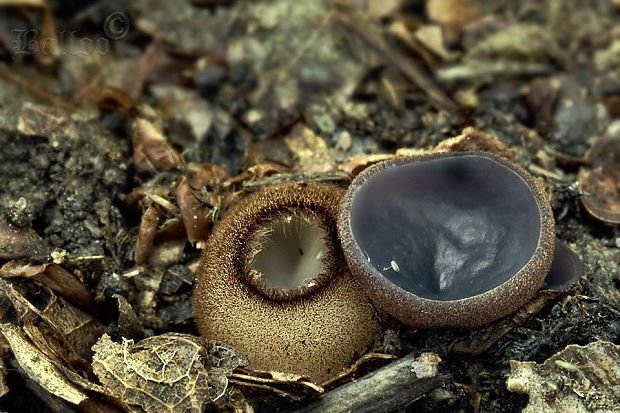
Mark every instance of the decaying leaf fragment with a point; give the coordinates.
(600, 190)
(39, 368)
(4, 388)
(39, 120)
(206, 175)
(577, 379)
(193, 212)
(472, 139)
(358, 163)
(129, 325)
(167, 373)
(113, 98)
(312, 152)
(17, 243)
(151, 151)
(266, 169)
(53, 276)
(600, 185)
(148, 230)
(66, 332)
(452, 15)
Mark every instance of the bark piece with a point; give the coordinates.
(389, 389)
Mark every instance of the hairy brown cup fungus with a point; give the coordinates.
(447, 239)
(273, 283)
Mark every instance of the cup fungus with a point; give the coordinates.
(566, 268)
(273, 283)
(447, 239)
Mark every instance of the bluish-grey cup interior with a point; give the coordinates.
(446, 228)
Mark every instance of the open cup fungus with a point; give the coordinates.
(447, 239)
(274, 284)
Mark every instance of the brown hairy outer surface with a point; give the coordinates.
(312, 331)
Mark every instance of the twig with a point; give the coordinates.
(437, 97)
(34, 89)
(490, 70)
(148, 61)
(389, 389)
(265, 387)
(309, 386)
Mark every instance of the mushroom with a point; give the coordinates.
(448, 239)
(566, 268)
(273, 283)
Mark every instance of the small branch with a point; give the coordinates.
(389, 389)
(36, 89)
(416, 75)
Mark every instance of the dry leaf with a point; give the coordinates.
(40, 120)
(577, 379)
(600, 190)
(206, 175)
(266, 169)
(605, 150)
(269, 151)
(313, 154)
(164, 373)
(39, 368)
(112, 98)
(16, 243)
(431, 36)
(193, 212)
(61, 281)
(360, 162)
(148, 230)
(410, 152)
(75, 327)
(129, 325)
(600, 187)
(452, 11)
(471, 139)
(452, 15)
(151, 151)
(379, 9)
(66, 332)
